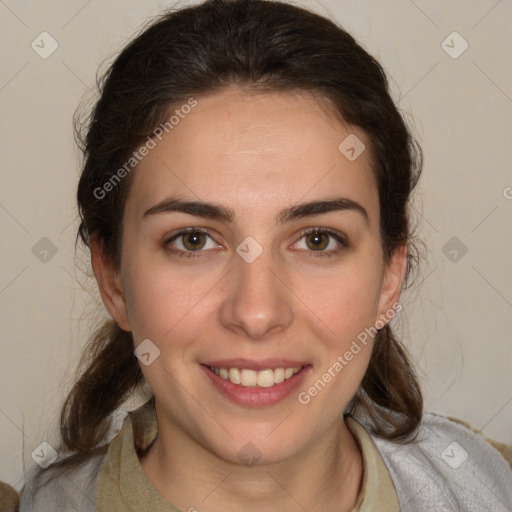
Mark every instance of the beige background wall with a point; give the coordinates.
(459, 327)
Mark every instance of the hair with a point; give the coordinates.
(263, 46)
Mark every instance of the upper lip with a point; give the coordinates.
(262, 364)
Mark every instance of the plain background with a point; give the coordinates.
(456, 321)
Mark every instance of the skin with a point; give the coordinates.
(256, 155)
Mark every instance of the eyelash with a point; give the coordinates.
(312, 254)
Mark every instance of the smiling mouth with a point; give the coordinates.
(254, 379)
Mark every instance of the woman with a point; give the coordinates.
(245, 198)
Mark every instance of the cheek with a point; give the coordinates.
(348, 311)
(155, 305)
(163, 299)
(346, 302)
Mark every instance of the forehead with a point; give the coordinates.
(245, 149)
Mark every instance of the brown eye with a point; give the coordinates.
(190, 242)
(317, 240)
(194, 241)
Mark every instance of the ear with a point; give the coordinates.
(110, 284)
(392, 280)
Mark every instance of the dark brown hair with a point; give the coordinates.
(262, 46)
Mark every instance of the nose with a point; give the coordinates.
(257, 299)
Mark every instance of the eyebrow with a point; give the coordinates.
(222, 213)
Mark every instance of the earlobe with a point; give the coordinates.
(109, 284)
(392, 284)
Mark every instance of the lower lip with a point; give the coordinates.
(256, 396)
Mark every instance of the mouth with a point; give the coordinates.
(256, 384)
(252, 378)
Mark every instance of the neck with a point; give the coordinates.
(325, 477)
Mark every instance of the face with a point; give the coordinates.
(230, 260)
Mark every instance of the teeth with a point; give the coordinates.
(252, 378)
(234, 375)
(265, 379)
(278, 375)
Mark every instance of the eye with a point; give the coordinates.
(319, 239)
(189, 241)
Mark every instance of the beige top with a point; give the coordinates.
(123, 485)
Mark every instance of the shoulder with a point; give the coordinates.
(447, 467)
(72, 490)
